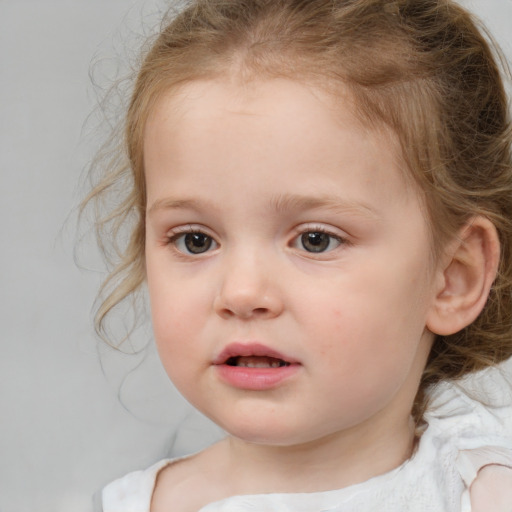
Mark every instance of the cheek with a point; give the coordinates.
(173, 322)
(171, 317)
(175, 338)
(172, 299)
(372, 327)
(179, 311)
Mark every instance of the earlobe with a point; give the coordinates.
(465, 276)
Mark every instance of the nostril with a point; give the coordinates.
(246, 304)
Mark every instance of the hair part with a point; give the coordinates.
(421, 68)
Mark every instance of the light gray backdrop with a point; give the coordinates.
(69, 424)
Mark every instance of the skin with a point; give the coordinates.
(492, 490)
(253, 167)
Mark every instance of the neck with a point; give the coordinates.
(331, 462)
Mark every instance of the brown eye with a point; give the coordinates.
(193, 243)
(197, 243)
(318, 241)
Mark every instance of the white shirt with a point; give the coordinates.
(463, 436)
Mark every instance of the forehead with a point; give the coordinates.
(263, 130)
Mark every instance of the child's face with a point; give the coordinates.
(278, 227)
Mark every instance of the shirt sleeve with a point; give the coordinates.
(487, 475)
(133, 492)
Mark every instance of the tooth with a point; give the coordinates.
(257, 362)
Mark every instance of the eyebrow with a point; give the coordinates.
(296, 202)
(168, 203)
(282, 204)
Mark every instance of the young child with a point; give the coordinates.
(321, 198)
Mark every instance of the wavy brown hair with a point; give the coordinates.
(423, 68)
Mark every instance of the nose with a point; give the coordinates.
(248, 289)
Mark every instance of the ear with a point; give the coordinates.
(464, 277)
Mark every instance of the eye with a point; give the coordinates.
(193, 242)
(318, 241)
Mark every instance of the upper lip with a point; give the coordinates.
(239, 349)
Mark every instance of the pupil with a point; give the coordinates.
(197, 243)
(315, 241)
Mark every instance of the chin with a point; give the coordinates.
(262, 433)
(272, 434)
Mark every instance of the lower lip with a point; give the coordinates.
(255, 379)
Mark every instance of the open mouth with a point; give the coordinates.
(252, 355)
(254, 366)
(256, 362)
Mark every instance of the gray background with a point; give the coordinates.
(74, 414)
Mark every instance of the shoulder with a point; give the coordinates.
(170, 484)
(470, 429)
(492, 489)
(184, 484)
(191, 483)
(133, 492)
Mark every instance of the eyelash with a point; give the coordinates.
(299, 239)
(178, 238)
